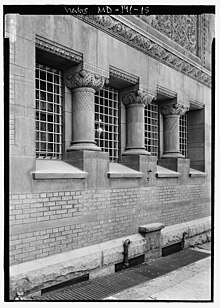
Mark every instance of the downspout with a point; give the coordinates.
(183, 240)
(125, 261)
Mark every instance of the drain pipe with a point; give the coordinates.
(183, 240)
(125, 261)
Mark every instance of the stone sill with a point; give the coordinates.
(166, 173)
(193, 173)
(56, 169)
(118, 171)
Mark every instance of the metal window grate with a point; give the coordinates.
(151, 128)
(106, 121)
(183, 135)
(48, 112)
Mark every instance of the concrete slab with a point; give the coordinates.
(192, 282)
(194, 288)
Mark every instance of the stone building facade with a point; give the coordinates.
(110, 131)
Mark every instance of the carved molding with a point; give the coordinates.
(173, 108)
(195, 105)
(58, 49)
(137, 97)
(84, 78)
(123, 75)
(141, 42)
(166, 92)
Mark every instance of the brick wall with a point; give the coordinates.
(48, 223)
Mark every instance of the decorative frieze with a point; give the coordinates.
(141, 42)
(182, 29)
(173, 109)
(58, 49)
(137, 97)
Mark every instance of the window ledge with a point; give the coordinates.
(54, 169)
(193, 173)
(166, 173)
(120, 171)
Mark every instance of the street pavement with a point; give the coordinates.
(192, 282)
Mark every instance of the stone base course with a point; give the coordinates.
(99, 260)
(197, 232)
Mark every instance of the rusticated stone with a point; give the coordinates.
(174, 233)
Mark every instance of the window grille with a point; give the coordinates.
(151, 128)
(106, 121)
(183, 135)
(48, 112)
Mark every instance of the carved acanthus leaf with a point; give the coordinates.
(137, 97)
(85, 78)
(174, 109)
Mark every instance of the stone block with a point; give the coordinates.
(200, 226)
(113, 250)
(94, 162)
(25, 132)
(142, 163)
(53, 270)
(174, 233)
(27, 48)
(150, 255)
(107, 270)
(196, 240)
(151, 228)
(20, 173)
(24, 92)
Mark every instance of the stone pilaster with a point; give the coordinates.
(135, 102)
(83, 83)
(171, 113)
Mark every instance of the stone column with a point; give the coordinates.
(83, 84)
(134, 102)
(171, 113)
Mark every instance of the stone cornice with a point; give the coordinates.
(174, 108)
(58, 49)
(195, 105)
(166, 92)
(137, 97)
(138, 40)
(123, 75)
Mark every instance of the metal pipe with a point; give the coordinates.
(183, 240)
(125, 261)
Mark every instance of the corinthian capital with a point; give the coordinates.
(85, 78)
(137, 97)
(174, 109)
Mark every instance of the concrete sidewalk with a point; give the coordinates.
(192, 282)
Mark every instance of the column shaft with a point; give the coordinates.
(171, 134)
(135, 129)
(135, 102)
(171, 113)
(83, 84)
(83, 134)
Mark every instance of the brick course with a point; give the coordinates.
(49, 223)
